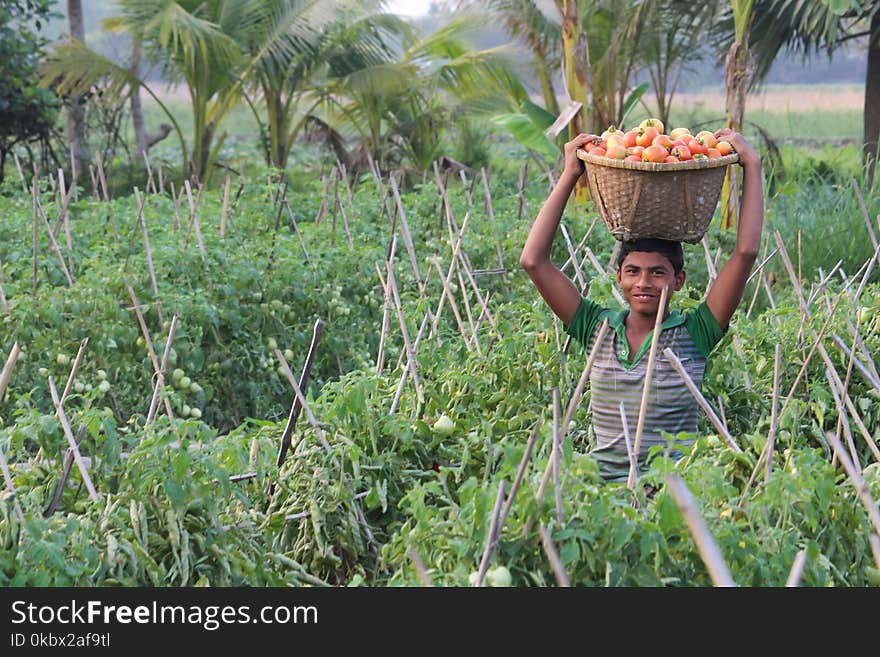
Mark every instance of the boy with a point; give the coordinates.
(645, 267)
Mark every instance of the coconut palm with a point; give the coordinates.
(808, 26)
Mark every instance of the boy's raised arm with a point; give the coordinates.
(727, 291)
(556, 288)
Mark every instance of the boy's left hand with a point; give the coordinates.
(748, 156)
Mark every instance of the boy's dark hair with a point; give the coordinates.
(670, 249)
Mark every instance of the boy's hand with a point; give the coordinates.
(748, 157)
(574, 166)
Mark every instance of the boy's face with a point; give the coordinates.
(642, 276)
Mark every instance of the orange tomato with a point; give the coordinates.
(654, 154)
(662, 140)
(695, 147)
(669, 159)
(616, 152)
(646, 136)
(713, 152)
(682, 152)
(652, 123)
(615, 139)
(630, 137)
(678, 133)
(724, 147)
(706, 138)
(633, 158)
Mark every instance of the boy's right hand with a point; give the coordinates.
(574, 166)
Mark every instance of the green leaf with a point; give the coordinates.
(632, 99)
(527, 133)
(537, 114)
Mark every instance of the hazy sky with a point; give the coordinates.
(409, 7)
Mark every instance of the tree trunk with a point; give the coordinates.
(872, 98)
(76, 112)
(137, 109)
(576, 63)
(739, 70)
(545, 76)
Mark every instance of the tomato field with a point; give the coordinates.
(215, 294)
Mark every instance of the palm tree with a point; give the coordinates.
(810, 25)
(76, 119)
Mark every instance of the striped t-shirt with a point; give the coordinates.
(619, 376)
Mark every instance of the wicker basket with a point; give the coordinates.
(673, 201)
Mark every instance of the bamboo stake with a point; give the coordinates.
(449, 272)
(630, 454)
(92, 174)
(557, 455)
(572, 258)
(522, 205)
(491, 212)
(701, 400)
(598, 267)
(175, 202)
(36, 241)
(585, 375)
(874, 540)
(225, 209)
(160, 373)
(467, 311)
(65, 473)
(865, 216)
(74, 369)
(59, 409)
(293, 416)
(150, 182)
(161, 180)
(490, 537)
(706, 545)
(579, 246)
(411, 359)
(869, 371)
(419, 565)
(520, 472)
(759, 270)
(157, 369)
(193, 217)
(6, 374)
(652, 355)
(710, 266)
(774, 419)
(403, 375)
(842, 421)
(296, 230)
(24, 185)
(322, 209)
(149, 253)
(555, 562)
(849, 369)
(102, 177)
(407, 236)
(797, 570)
(856, 478)
(7, 477)
(52, 241)
(452, 304)
(344, 219)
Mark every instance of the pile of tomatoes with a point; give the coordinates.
(649, 143)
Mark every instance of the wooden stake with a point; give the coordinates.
(490, 536)
(293, 416)
(408, 369)
(149, 253)
(74, 369)
(407, 236)
(706, 545)
(491, 212)
(774, 419)
(557, 455)
(65, 473)
(193, 217)
(392, 284)
(59, 409)
(160, 374)
(6, 374)
(452, 304)
(102, 177)
(652, 355)
(7, 477)
(157, 368)
(419, 565)
(225, 209)
(296, 230)
(555, 562)
(797, 569)
(520, 472)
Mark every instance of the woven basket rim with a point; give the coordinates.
(687, 165)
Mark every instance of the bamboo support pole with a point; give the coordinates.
(491, 539)
(491, 212)
(557, 456)
(38, 210)
(65, 473)
(403, 375)
(585, 375)
(101, 176)
(411, 359)
(225, 210)
(630, 454)
(652, 356)
(598, 267)
(149, 253)
(858, 191)
(160, 374)
(36, 239)
(193, 217)
(449, 273)
(467, 311)
(843, 423)
(874, 541)
(520, 472)
(708, 549)
(572, 257)
(175, 202)
(344, 219)
(59, 409)
(701, 400)
(150, 181)
(580, 245)
(774, 404)
(158, 371)
(293, 223)
(452, 304)
(407, 236)
(24, 185)
(7, 477)
(293, 416)
(419, 565)
(553, 557)
(797, 570)
(74, 368)
(6, 373)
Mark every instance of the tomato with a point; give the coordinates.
(617, 152)
(444, 426)
(662, 140)
(713, 152)
(682, 152)
(597, 150)
(499, 577)
(636, 150)
(670, 159)
(630, 137)
(646, 136)
(695, 147)
(678, 133)
(654, 154)
(652, 123)
(633, 158)
(612, 130)
(724, 147)
(706, 138)
(617, 139)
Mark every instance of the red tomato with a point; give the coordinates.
(646, 135)
(654, 154)
(695, 147)
(662, 140)
(630, 137)
(682, 152)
